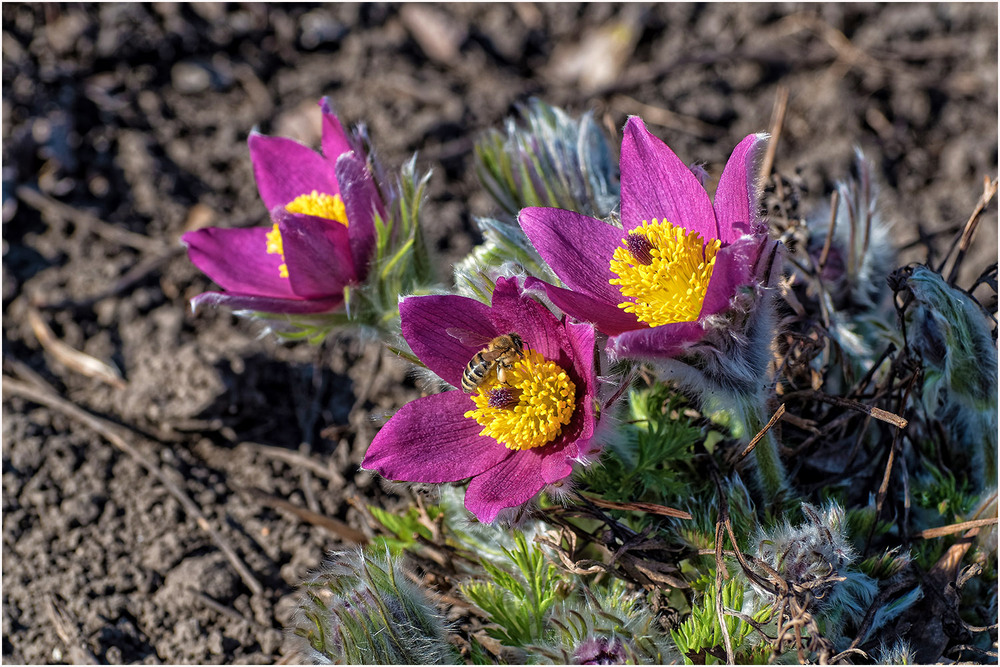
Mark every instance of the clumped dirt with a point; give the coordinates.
(124, 125)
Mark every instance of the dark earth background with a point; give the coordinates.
(126, 125)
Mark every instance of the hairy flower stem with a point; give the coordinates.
(746, 420)
(769, 471)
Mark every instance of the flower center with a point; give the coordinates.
(322, 205)
(528, 410)
(326, 206)
(663, 271)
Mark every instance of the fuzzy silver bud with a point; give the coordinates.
(360, 608)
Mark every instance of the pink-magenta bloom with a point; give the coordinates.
(510, 438)
(677, 259)
(323, 234)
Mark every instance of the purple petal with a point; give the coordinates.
(577, 247)
(557, 466)
(446, 331)
(734, 267)
(317, 253)
(737, 197)
(512, 482)
(656, 184)
(666, 340)
(608, 318)
(361, 202)
(429, 440)
(582, 338)
(335, 142)
(285, 169)
(265, 304)
(515, 312)
(238, 261)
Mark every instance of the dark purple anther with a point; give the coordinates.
(502, 398)
(640, 248)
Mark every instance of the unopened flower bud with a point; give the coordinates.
(361, 609)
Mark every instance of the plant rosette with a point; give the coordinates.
(677, 259)
(322, 237)
(512, 438)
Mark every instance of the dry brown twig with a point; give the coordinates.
(67, 630)
(777, 121)
(334, 526)
(70, 357)
(760, 434)
(964, 240)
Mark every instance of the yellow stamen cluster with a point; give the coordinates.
(671, 285)
(320, 205)
(276, 247)
(545, 401)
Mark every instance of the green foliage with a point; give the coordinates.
(519, 602)
(404, 527)
(941, 492)
(550, 160)
(699, 637)
(649, 461)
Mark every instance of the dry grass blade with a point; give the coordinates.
(877, 413)
(662, 510)
(108, 431)
(720, 567)
(338, 528)
(67, 630)
(49, 206)
(828, 241)
(70, 357)
(941, 531)
(777, 120)
(760, 435)
(964, 240)
(665, 118)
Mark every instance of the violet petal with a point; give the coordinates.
(655, 184)
(514, 312)
(265, 304)
(285, 169)
(512, 482)
(737, 195)
(608, 318)
(335, 142)
(237, 260)
(429, 440)
(446, 331)
(361, 201)
(666, 340)
(577, 247)
(317, 253)
(734, 266)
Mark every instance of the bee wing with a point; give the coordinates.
(466, 337)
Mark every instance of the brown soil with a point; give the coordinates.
(124, 125)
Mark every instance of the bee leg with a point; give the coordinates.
(501, 374)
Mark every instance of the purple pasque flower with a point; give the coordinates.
(677, 258)
(322, 235)
(512, 438)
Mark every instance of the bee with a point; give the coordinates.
(499, 354)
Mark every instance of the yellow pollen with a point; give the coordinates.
(671, 287)
(320, 205)
(545, 403)
(275, 247)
